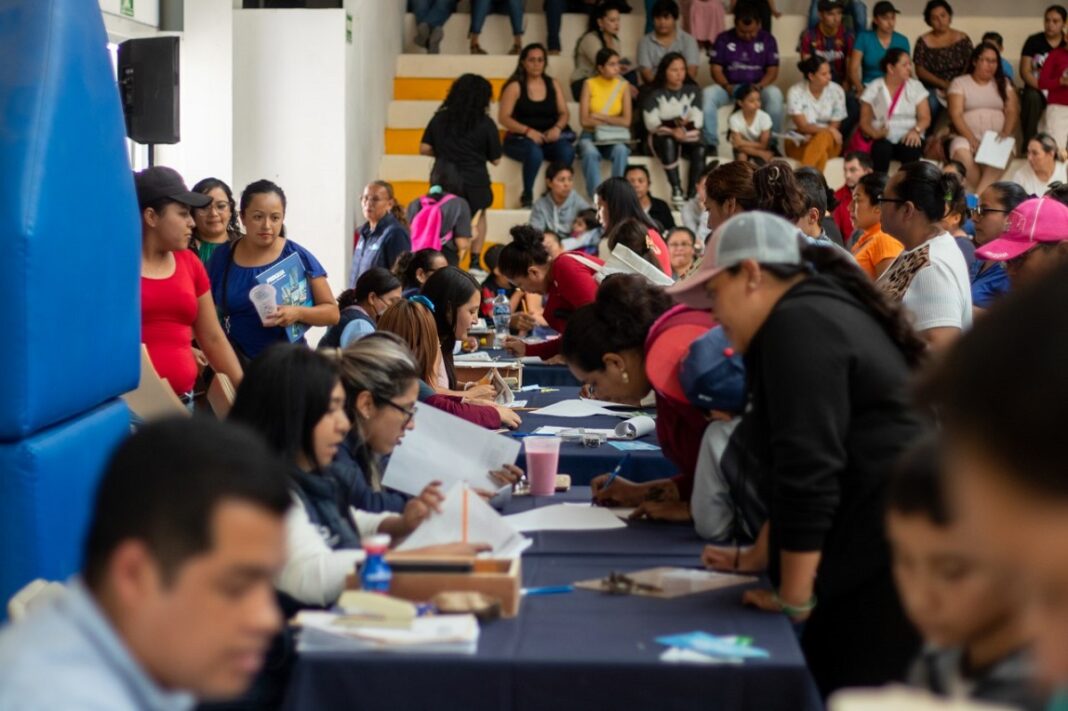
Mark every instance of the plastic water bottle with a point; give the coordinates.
(376, 575)
(502, 316)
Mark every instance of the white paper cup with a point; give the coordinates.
(263, 298)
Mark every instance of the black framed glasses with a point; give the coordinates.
(881, 199)
(980, 210)
(409, 412)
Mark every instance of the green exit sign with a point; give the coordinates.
(126, 8)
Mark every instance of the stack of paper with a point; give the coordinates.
(445, 448)
(325, 631)
(466, 518)
(583, 408)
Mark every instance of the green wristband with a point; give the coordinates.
(795, 610)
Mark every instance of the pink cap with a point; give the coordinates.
(1033, 221)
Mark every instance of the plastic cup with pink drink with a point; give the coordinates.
(543, 457)
(262, 297)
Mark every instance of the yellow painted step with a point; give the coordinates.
(427, 89)
(405, 141)
(407, 190)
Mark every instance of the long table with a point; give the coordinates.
(579, 650)
(584, 463)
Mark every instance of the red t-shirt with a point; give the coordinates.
(843, 214)
(572, 285)
(168, 311)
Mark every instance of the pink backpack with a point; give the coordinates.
(425, 229)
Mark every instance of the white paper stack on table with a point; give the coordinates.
(445, 448)
(466, 518)
(325, 632)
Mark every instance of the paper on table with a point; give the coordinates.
(581, 408)
(628, 445)
(995, 151)
(532, 360)
(484, 525)
(562, 517)
(635, 427)
(899, 698)
(445, 448)
(622, 512)
(573, 432)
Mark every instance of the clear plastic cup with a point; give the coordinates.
(262, 297)
(543, 457)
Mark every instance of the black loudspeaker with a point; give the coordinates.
(148, 83)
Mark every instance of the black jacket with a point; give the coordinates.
(830, 413)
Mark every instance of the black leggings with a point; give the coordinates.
(883, 151)
(668, 150)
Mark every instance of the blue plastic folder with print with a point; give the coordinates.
(291, 287)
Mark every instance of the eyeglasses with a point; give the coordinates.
(881, 199)
(979, 210)
(372, 200)
(409, 412)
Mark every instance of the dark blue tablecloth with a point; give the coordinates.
(584, 463)
(639, 538)
(549, 376)
(579, 650)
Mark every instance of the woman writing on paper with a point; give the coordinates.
(234, 267)
(980, 101)
(413, 321)
(567, 282)
(455, 297)
(294, 398)
(613, 347)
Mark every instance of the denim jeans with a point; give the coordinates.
(855, 8)
(715, 97)
(591, 155)
(481, 8)
(531, 155)
(554, 11)
(433, 12)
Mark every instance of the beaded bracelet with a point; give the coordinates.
(794, 610)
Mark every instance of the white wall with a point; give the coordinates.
(309, 113)
(377, 29)
(206, 101)
(289, 121)
(120, 27)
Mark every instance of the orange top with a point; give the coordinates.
(873, 246)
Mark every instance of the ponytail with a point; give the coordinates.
(396, 210)
(832, 264)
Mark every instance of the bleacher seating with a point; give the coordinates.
(421, 82)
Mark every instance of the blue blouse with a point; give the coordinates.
(245, 328)
(989, 285)
(872, 52)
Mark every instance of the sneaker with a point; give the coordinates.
(434, 43)
(422, 34)
(525, 201)
(677, 198)
(475, 49)
(516, 49)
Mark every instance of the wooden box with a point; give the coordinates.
(496, 578)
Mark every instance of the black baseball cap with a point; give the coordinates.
(828, 5)
(884, 8)
(163, 182)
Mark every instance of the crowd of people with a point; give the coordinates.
(859, 419)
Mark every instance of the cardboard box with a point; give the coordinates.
(474, 371)
(496, 578)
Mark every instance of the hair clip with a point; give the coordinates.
(420, 299)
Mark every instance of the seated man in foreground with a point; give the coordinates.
(175, 601)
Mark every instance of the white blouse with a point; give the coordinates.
(903, 120)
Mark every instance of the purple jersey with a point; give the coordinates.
(744, 62)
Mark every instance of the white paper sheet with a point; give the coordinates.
(476, 357)
(994, 151)
(623, 260)
(532, 360)
(581, 408)
(445, 448)
(562, 517)
(484, 525)
(622, 512)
